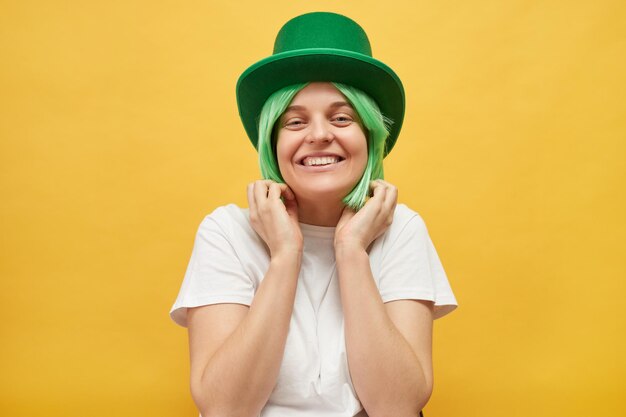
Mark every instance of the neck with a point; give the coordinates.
(320, 213)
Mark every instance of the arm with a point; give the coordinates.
(238, 378)
(388, 346)
(392, 376)
(236, 354)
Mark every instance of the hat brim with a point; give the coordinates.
(373, 77)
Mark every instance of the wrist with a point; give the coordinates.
(287, 256)
(348, 250)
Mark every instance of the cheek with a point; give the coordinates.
(361, 151)
(284, 154)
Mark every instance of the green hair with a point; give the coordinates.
(374, 122)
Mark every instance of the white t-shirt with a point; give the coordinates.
(229, 261)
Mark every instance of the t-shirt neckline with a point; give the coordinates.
(310, 230)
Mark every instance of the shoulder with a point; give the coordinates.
(228, 219)
(228, 213)
(406, 220)
(403, 212)
(407, 230)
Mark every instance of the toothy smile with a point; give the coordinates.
(320, 160)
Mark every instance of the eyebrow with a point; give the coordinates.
(333, 105)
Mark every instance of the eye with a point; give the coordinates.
(294, 122)
(343, 119)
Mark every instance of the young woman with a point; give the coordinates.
(319, 298)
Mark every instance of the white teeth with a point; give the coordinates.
(324, 160)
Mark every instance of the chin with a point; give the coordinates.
(327, 193)
(317, 188)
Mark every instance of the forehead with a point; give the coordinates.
(318, 92)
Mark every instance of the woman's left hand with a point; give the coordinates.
(359, 230)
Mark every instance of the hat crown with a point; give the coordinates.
(322, 30)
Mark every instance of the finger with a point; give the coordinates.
(391, 201)
(382, 181)
(260, 192)
(287, 192)
(391, 196)
(291, 204)
(252, 207)
(390, 189)
(372, 186)
(378, 190)
(283, 190)
(377, 184)
(275, 191)
(385, 199)
(249, 192)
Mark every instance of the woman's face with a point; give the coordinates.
(321, 148)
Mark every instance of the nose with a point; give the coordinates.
(320, 132)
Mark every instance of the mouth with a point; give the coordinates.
(313, 161)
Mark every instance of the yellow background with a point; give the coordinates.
(120, 132)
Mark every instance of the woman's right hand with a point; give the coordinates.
(276, 222)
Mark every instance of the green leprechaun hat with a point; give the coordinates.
(320, 46)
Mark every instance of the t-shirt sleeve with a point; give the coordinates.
(214, 274)
(411, 269)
